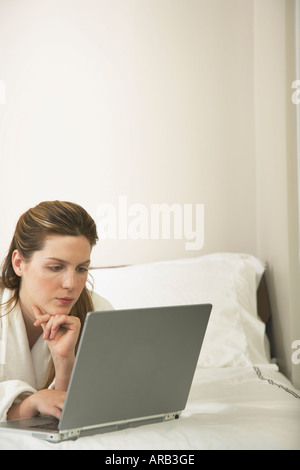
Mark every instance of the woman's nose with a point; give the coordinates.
(69, 279)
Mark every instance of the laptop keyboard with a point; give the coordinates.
(48, 426)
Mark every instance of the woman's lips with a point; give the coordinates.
(65, 300)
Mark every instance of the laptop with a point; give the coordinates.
(133, 367)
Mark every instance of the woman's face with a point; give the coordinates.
(55, 276)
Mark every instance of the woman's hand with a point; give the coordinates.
(44, 402)
(61, 333)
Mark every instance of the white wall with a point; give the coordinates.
(276, 170)
(152, 100)
(169, 101)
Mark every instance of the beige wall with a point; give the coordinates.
(152, 100)
(276, 170)
(168, 101)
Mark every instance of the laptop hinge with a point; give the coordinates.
(70, 433)
(170, 416)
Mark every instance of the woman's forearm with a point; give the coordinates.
(63, 371)
(24, 409)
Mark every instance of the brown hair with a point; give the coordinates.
(49, 217)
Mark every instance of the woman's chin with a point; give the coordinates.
(57, 310)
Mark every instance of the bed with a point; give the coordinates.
(238, 399)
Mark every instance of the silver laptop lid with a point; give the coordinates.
(134, 363)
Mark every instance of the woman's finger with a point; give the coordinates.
(41, 319)
(66, 322)
(58, 322)
(47, 326)
(37, 312)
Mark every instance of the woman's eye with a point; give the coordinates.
(82, 270)
(55, 268)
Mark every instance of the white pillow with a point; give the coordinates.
(235, 335)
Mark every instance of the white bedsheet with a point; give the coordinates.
(228, 408)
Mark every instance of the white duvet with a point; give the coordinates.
(228, 408)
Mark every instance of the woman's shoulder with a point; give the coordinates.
(100, 303)
(7, 302)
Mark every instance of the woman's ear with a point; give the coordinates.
(17, 262)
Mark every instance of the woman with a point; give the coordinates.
(43, 304)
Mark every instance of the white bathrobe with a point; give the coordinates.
(23, 371)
